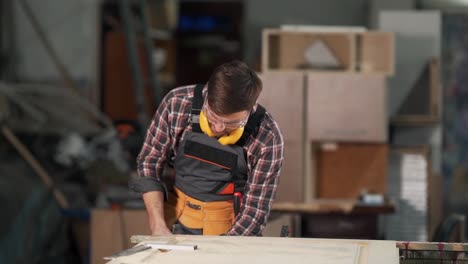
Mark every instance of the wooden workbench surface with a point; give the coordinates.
(268, 250)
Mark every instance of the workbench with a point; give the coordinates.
(332, 218)
(268, 250)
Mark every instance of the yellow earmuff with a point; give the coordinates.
(230, 139)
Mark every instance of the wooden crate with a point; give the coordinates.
(369, 52)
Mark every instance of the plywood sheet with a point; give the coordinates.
(268, 250)
(283, 97)
(349, 169)
(291, 182)
(347, 107)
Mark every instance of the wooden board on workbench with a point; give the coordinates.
(267, 250)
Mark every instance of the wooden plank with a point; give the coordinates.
(268, 250)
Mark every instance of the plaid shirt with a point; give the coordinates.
(264, 154)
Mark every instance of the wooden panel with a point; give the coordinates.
(365, 52)
(377, 52)
(291, 183)
(347, 107)
(111, 231)
(283, 97)
(266, 250)
(289, 115)
(348, 169)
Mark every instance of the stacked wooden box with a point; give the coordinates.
(333, 120)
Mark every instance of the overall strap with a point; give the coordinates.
(252, 124)
(197, 104)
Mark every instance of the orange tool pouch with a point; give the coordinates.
(214, 218)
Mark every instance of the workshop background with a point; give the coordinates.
(371, 96)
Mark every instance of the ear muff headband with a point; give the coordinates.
(230, 139)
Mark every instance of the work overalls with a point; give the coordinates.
(207, 174)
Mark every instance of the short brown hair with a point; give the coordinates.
(233, 87)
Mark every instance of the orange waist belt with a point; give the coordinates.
(214, 218)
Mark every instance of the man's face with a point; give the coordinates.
(224, 124)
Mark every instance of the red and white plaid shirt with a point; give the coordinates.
(264, 152)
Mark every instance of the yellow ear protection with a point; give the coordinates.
(230, 139)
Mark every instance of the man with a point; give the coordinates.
(226, 151)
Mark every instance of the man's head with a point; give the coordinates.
(233, 87)
(233, 90)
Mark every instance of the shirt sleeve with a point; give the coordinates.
(260, 190)
(154, 152)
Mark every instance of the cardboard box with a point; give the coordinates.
(111, 231)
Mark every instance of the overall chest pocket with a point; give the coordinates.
(207, 163)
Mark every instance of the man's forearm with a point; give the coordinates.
(154, 203)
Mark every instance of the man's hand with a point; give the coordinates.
(158, 227)
(154, 202)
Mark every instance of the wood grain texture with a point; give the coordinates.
(350, 169)
(268, 250)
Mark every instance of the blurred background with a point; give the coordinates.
(371, 96)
